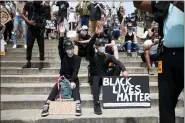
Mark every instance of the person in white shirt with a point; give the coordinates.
(150, 53)
(71, 18)
(19, 20)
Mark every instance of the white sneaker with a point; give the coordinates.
(25, 46)
(5, 43)
(14, 46)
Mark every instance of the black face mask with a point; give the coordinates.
(37, 4)
(129, 27)
(106, 31)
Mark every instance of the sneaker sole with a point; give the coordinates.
(44, 114)
(78, 114)
(98, 113)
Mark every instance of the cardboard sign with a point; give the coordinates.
(4, 16)
(64, 107)
(20, 6)
(51, 24)
(140, 31)
(119, 92)
(2, 47)
(71, 34)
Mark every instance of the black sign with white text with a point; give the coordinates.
(120, 92)
(51, 24)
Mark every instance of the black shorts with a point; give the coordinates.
(82, 51)
(152, 57)
(109, 50)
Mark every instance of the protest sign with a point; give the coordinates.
(20, 6)
(2, 47)
(119, 92)
(4, 16)
(51, 24)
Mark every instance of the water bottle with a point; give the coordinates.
(153, 64)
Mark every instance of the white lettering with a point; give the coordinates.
(141, 97)
(105, 81)
(114, 90)
(127, 81)
(120, 97)
(131, 89)
(126, 98)
(147, 97)
(138, 90)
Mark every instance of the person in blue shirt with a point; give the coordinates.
(171, 58)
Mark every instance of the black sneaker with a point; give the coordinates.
(138, 54)
(28, 65)
(129, 54)
(78, 110)
(97, 108)
(41, 65)
(45, 111)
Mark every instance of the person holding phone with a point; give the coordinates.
(150, 52)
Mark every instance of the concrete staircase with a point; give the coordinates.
(23, 91)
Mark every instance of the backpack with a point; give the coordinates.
(82, 9)
(65, 91)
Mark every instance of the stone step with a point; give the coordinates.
(139, 115)
(55, 71)
(52, 47)
(9, 102)
(35, 53)
(55, 42)
(21, 58)
(45, 88)
(52, 54)
(52, 78)
(57, 64)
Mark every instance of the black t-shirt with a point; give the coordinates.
(107, 37)
(34, 13)
(63, 5)
(99, 64)
(82, 38)
(129, 37)
(70, 67)
(95, 13)
(48, 10)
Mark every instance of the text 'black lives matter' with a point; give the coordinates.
(51, 24)
(120, 92)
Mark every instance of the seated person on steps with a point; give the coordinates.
(150, 52)
(99, 67)
(82, 39)
(110, 46)
(131, 40)
(70, 65)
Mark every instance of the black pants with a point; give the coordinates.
(171, 82)
(8, 30)
(75, 93)
(60, 47)
(31, 36)
(97, 82)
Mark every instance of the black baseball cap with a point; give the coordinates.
(100, 41)
(68, 44)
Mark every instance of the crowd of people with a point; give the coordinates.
(98, 29)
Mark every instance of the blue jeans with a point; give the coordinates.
(128, 45)
(18, 20)
(116, 34)
(134, 28)
(84, 21)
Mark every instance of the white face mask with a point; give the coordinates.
(70, 52)
(101, 49)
